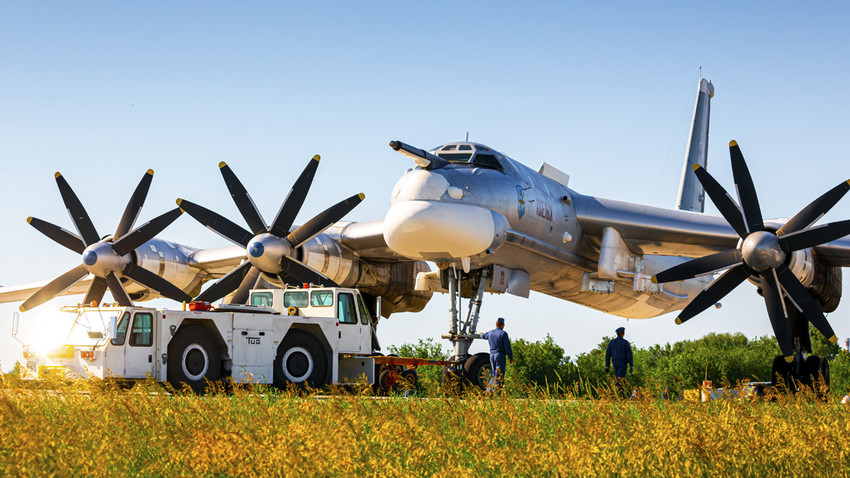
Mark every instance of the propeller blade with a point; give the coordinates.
(295, 199)
(746, 191)
(78, 213)
(118, 293)
(63, 237)
(699, 266)
(217, 223)
(296, 273)
(804, 300)
(714, 292)
(145, 232)
(243, 200)
(323, 220)
(55, 287)
(724, 202)
(96, 290)
(814, 236)
(227, 284)
(778, 318)
(815, 210)
(150, 280)
(244, 289)
(134, 205)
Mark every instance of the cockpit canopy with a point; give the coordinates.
(474, 154)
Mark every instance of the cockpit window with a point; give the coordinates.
(465, 147)
(455, 157)
(450, 147)
(487, 160)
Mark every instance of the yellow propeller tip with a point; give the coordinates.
(222, 164)
(22, 309)
(678, 321)
(361, 196)
(150, 171)
(654, 279)
(789, 358)
(848, 181)
(833, 339)
(696, 166)
(57, 174)
(29, 220)
(179, 201)
(733, 143)
(317, 158)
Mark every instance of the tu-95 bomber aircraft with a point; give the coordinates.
(490, 224)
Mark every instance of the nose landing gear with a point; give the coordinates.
(470, 370)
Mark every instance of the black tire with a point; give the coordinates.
(452, 379)
(811, 370)
(193, 356)
(478, 371)
(780, 373)
(300, 361)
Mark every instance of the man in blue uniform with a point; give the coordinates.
(500, 348)
(620, 352)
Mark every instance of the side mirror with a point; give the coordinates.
(113, 327)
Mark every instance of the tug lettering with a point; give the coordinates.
(544, 210)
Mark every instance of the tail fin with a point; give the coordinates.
(691, 193)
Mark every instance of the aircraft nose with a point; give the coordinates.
(432, 230)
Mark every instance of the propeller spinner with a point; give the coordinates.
(109, 258)
(269, 248)
(762, 255)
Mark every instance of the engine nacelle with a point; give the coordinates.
(823, 282)
(169, 261)
(394, 282)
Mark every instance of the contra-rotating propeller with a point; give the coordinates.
(763, 254)
(108, 258)
(269, 248)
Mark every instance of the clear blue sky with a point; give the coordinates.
(102, 91)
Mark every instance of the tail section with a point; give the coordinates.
(691, 193)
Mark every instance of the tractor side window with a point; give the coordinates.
(364, 312)
(261, 298)
(345, 309)
(121, 333)
(322, 298)
(142, 332)
(297, 299)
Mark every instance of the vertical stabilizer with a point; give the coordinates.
(691, 194)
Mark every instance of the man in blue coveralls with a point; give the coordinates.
(620, 352)
(500, 347)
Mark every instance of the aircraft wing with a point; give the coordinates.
(652, 230)
(22, 292)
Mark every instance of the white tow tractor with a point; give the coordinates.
(311, 336)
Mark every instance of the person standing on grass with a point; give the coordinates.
(500, 349)
(620, 352)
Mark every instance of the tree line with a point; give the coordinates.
(724, 359)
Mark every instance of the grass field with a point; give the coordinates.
(96, 430)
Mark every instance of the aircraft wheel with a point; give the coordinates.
(452, 379)
(811, 370)
(823, 370)
(300, 361)
(780, 372)
(192, 357)
(478, 370)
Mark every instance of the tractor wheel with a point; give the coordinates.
(193, 358)
(300, 361)
(406, 382)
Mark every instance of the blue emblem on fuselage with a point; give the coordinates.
(520, 198)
